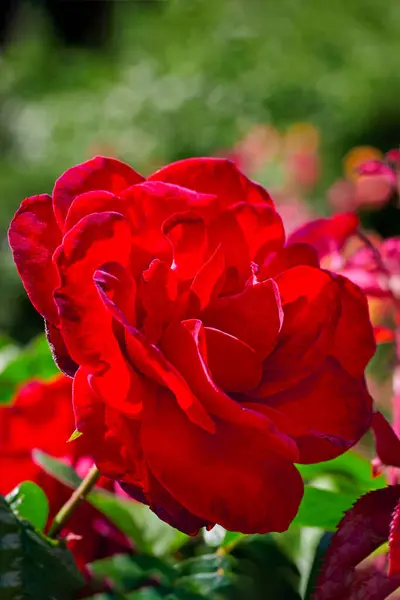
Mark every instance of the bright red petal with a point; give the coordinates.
(158, 293)
(34, 235)
(91, 202)
(86, 325)
(290, 256)
(231, 477)
(217, 176)
(99, 173)
(188, 237)
(206, 280)
(254, 316)
(147, 359)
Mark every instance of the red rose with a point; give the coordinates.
(40, 416)
(207, 357)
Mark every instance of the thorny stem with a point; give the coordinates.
(74, 501)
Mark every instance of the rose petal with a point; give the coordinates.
(217, 176)
(234, 366)
(206, 280)
(148, 359)
(311, 306)
(92, 418)
(164, 505)
(254, 316)
(59, 350)
(246, 233)
(91, 202)
(158, 293)
(326, 235)
(231, 478)
(260, 226)
(185, 344)
(34, 235)
(286, 258)
(156, 201)
(188, 237)
(353, 343)
(99, 173)
(87, 327)
(332, 406)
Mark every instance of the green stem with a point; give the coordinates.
(74, 501)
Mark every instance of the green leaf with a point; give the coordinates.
(31, 566)
(263, 570)
(206, 574)
(322, 508)
(137, 521)
(156, 593)
(28, 501)
(35, 360)
(351, 465)
(128, 572)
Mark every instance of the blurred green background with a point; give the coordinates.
(151, 82)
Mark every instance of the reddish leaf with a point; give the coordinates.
(362, 530)
(394, 543)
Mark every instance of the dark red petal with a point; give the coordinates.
(387, 443)
(217, 176)
(188, 237)
(33, 236)
(99, 173)
(353, 343)
(288, 257)
(254, 316)
(87, 327)
(231, 478)
(59, 350)
(332, 406)
(170, 510)
(186, 347)
(326, 235)
(234, 366)
(311, 306)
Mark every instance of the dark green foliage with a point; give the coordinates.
(33, 567)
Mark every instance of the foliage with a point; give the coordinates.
(32, 566)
